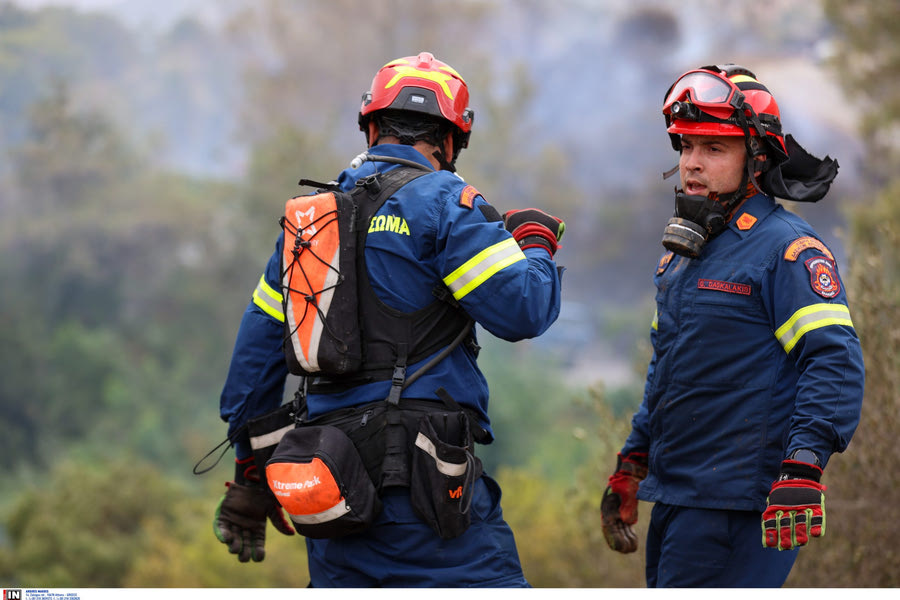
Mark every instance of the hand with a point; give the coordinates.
(796, 507)
(240, 520)
(533, 228)
(619, 508)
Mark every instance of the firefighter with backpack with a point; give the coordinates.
(373, 460)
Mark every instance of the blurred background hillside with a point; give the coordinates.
(148, 146)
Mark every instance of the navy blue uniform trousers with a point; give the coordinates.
(400, 550)
(698, 547)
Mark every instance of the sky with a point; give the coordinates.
(157, 13)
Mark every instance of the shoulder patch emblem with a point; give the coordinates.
(823, 276)
(664, 262)
(746, 221)
(467, 196)
(805, 243)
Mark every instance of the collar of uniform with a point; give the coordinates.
(348, 177)
(756, 207)
(401, 151)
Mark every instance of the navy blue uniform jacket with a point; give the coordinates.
(754, 356)
(442, 235)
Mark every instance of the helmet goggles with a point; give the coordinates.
(705, 89)
(717, 95)
(715, 101)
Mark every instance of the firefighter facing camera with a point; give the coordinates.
(757, 375)
(704, 102)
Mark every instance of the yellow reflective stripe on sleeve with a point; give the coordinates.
(655, 323)
(809, 318)
(268, 299)
(482, 266)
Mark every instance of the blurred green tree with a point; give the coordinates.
(84, 525)
(860, 548)
(115, 269)
(866, 57)
(557, 523)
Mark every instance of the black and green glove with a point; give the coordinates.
(240, 520)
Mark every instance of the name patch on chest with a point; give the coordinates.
(728, 287)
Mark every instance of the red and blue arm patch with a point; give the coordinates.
(823, 276)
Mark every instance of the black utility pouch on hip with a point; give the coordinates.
(265, 433)
(444, 470)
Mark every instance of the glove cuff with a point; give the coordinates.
(538, 241)
(633, 464)
(246, 472)
(531, 235)
(794, 469)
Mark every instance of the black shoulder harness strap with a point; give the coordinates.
(393, 339)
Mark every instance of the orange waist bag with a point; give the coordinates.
(317, 475)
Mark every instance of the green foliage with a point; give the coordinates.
(557, 524)
(132, 281)
(863, 497)
(86, 524)
(64, 160)
(540, 420)
(867, 59)
(39, 49)
(118, 268)
(122, 523)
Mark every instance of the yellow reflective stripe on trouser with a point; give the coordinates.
(269, 300)
(482, 266)
(655, 323)
(811, 317)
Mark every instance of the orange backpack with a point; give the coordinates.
(323, 236)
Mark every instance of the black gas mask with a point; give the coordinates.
(696, 220)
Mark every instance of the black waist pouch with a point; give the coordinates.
(317, 475)
(265, 433)
(444, 470)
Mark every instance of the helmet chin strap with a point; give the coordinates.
(670, 172)
(442, 161)
(732, 200)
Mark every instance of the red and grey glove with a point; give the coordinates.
(796, 507)
(533, 228)
(619, 508)
(240, 520)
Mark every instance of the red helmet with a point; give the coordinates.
(722, 100)
(420, 84)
